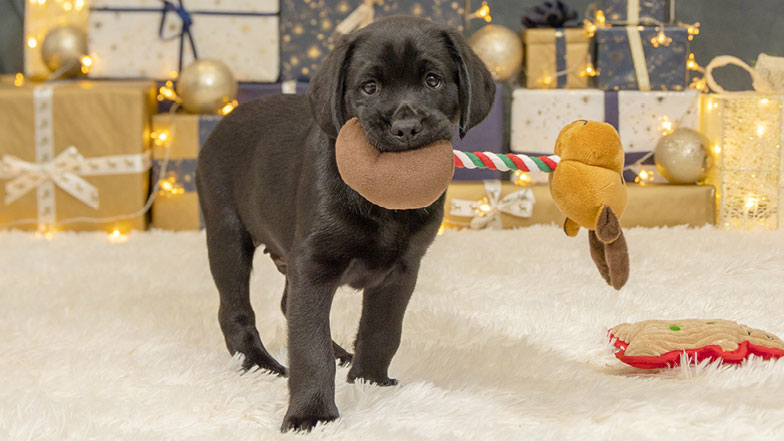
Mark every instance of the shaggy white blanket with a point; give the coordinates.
(504, 340)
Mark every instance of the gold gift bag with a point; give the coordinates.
(746, 132)
(556, 58)
(75, 155)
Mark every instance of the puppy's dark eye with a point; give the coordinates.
(432, 81)
(370, 87)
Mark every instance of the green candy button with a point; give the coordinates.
(675, 328)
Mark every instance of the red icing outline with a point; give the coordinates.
(712, 352)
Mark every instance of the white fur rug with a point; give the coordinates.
(504, 340)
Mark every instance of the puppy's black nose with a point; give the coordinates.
(406, 129)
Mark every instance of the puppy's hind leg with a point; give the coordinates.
(343, 356)
(231, 250)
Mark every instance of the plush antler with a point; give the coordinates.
(609, 250)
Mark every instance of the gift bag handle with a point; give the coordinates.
(725, 60)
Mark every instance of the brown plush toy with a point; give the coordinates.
(588, 187)
(393, 180)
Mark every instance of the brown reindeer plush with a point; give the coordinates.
(588, 187)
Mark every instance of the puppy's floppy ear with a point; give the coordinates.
(327, 86)
(476, 89)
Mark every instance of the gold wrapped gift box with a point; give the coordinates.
(648, 206)
(176, 205)
(62, 141)
(542, 53)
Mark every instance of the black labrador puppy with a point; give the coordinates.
(267, 175)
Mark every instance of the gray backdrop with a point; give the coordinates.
(743, 28)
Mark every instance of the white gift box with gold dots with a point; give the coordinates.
(145, 38)
(640, 117)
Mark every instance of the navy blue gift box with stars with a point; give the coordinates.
(307, 27)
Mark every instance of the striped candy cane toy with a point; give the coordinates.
(505, 162)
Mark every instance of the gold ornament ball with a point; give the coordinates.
(63, 48)
(682, 157)
(205, 86)
(500, 49)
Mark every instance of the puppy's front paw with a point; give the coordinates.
(306, 421)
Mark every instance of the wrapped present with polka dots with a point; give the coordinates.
(155, 39)
(642, 58)
(308, 28)
(641, 119)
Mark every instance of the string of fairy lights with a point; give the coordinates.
(748, 204)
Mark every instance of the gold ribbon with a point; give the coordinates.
(633, 15)
(638, 58)
(64, 170)
(633, 11)
(487, 211)
(360, 17)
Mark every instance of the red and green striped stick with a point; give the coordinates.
(505, 162)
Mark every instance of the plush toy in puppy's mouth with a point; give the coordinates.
(401, 180)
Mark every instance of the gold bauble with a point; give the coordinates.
(63, 48)
(682, 157)
(205, 86)
(500, 48)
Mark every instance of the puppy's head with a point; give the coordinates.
(408, 80)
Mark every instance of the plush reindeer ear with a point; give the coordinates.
(476, 89)
(327, 87)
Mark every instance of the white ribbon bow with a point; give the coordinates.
(66, 171)
(487, 212)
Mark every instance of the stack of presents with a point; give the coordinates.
(86, 154)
